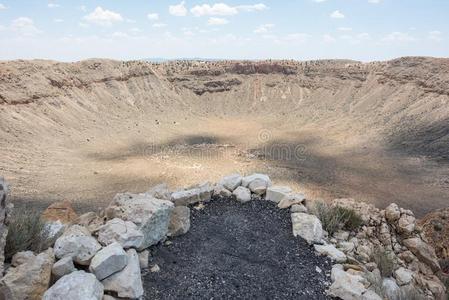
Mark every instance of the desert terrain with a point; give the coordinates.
(84, 131)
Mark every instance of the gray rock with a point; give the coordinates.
(277, 193)
(231, 182)
(403, 276)
(258, 186)
(392, 213)
(77, 242)
(308, 227)
(108, 261)
(424, 252)
(221, 191)
(179, 221)
(406, 224)
(345, 285)
(127, 283)
(200, 193)
(144, 259)
(242, 194)
(63, 267)
(390, 288)
(75, 286)
(151, 215)
(4, 213)
(29, 280)
(332, 252)
(22, 257)
(246, 181)
(291, 199)
(298, 208)
(126, 233)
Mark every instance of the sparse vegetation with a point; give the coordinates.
(25, 232)
(334, 218)
(384, 261)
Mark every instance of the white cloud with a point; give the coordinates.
(264, 28)
(222, 9)
(337, 15)
(327, 38)
(153, 16)
(364, 36)
(2, 6)
(24, 26)
(401, 37)
(159, 25)
(58, 20)
(119, 34)
(103, 17)
(53, 5)
(178, 10)
(217, 21)
(83, 25)
(435, 36)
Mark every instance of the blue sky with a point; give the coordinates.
(299, 29)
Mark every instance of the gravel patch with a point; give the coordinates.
(236, 250)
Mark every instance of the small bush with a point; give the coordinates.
(334, 218)
(384, 261)
(25, 232)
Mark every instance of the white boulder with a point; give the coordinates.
(292, 199)
(332, 252)
(277, 193)
(242, 194)
(76, 286)
(403, 276)
(200, 193)
(231, 182)
(126, 233)
(127, 283)
(151, 215)
(247, 180)
(345, 285)
(308, 227)
(63, 267)
(77, 242)
(179, 221)
(108, 261)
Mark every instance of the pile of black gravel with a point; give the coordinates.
(236, 250)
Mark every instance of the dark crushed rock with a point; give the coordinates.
(235, 250)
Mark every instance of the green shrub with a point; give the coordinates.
(334, 218)
(384, 261)
(25, 232)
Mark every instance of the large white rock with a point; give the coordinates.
(160, 191)
(247, 180)
(76, 286)
(21, 257)
(292, 199)
(403, 276)
(151, 215)
(390, 288)
(108, 261)
(345, 285)
(127, 283)
(126, 233)
(330, 250)
(392, 213)
(424, 252)
(308, 227)
(231, 182)
(200, 193)
(277, 193)
(242, 194)
(30, 279)
(63, 267)
(77, 242)
(179, 221)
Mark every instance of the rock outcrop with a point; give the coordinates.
(4, 211)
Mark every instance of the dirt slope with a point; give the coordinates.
(84, 131)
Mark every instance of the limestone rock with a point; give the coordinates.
(22, 257)
(298, 208)
(403, 276)
(345, 285)
(330, 250)
(242, 194)
(179, 221)
(390, 288)
(29, 280)
(127, 283)
(258, 186)
(144, 259)
(77, 242)
(307, 226)
(292, 199)
(277, 193)
(126, 233)
(108, 261)
(247, 180)
(160, 191)
(231, 182)
(423, 251)
(392, 213)
(406, 224)
(221, 191)
(151, 215)
(75, 286)
(90, 220)
(63, 267)
(200, 193)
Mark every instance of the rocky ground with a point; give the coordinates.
(237, 250)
